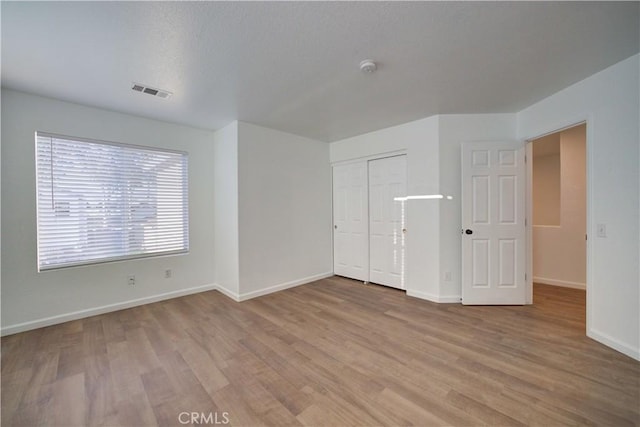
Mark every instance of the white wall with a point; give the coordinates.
(546, 182)
(419, 140)
(284, 210)
(609, 102)
(31, 299)
(226, 254)
(560, 252)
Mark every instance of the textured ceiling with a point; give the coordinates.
(294, 66)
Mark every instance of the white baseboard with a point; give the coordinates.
(562, 283)
(282, 286)
(81, 314)
(614, 343)
(226, 292)
(445, 299)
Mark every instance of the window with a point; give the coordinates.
(101, 201)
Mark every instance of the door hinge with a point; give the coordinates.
(525, 277)
(525, 158)
(525, 222)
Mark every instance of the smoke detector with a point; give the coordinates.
(160, 93)
(368, 66)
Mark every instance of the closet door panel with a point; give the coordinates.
(350, 221)
(387, 180)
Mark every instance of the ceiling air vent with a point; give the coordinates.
(160, 93)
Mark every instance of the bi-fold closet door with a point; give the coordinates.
(369, 229)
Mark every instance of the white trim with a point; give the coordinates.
(81, 314)
(590, 285)
(562, 126)
(229, 294)
(529, 223)
(562, 283)
(282, 286)
(377, 156)
(614, 344)
(446, 299)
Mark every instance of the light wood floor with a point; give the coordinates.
(335, 353)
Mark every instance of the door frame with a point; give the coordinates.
(588, 121)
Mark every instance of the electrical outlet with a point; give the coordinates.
(167, 273)
(447, 276)
(131, 280)
(602, 230)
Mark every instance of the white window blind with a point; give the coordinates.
(100, 201)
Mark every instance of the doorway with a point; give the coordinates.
(558, 208)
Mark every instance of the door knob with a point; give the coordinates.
(335, 226)
(404, 230)
(468, 231)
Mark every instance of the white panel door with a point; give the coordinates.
(387, 180)
(350, 221)
(493, 223)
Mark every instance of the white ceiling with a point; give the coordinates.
(294, 66)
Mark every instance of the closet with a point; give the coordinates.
(369, 229)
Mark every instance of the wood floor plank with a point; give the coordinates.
(481, 410)
(177, 412)
(203, 366)
(68, 404)
(124, 372)
(14, 384)
(244, 371)
(135, 410)
(414, 413)
(99, 390)
(232, 400)
(333, 352)
(141, 349)
(45, 368)
(70, 361)
(158, 386)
